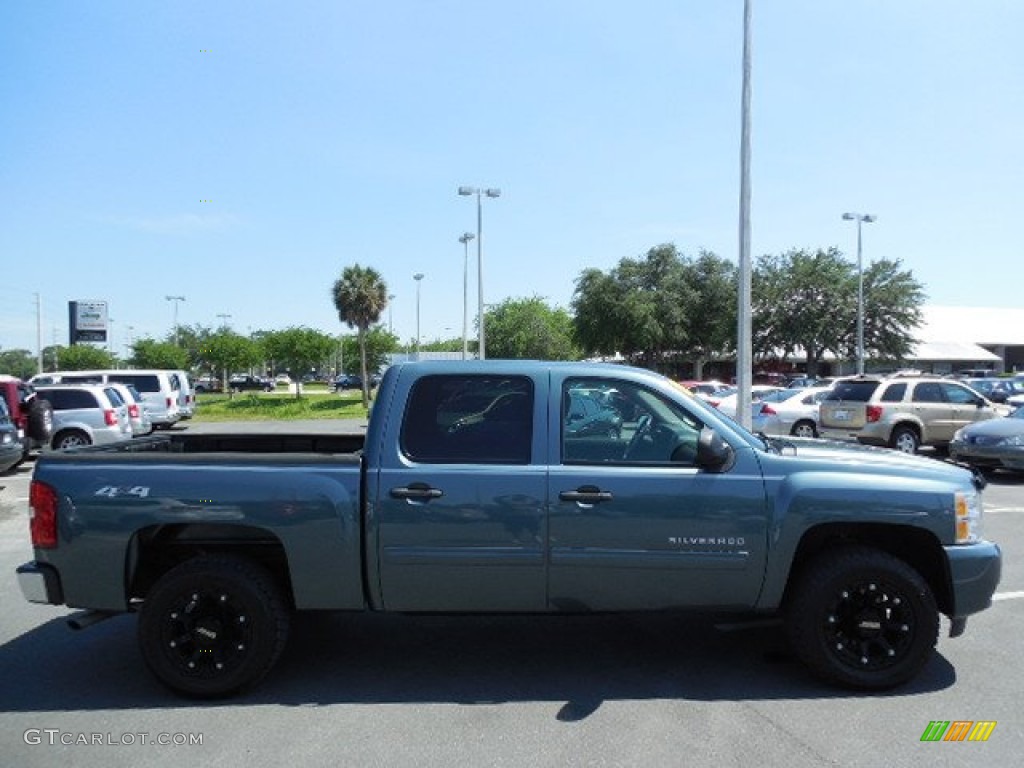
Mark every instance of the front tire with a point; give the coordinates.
(212, 626)
(862, 618)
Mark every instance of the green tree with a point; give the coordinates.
(360, 296)
(528, 329)
(711, 320)
(892, 311)
(297, 350)
(379, 342)
(148, 353)
(807, 301)
(639, 308)
(192, 339)
(83, 357)
(801, 301)
(227, 352)
(445, 345)
(18, 362)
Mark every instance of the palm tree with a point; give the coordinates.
(360, 296)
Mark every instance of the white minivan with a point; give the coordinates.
(186, 393)
(158, 393)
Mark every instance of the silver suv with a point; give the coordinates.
(86, 414)
(901, 413)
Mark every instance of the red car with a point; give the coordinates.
(32, 415)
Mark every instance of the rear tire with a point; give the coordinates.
(213, 626)
(70, 438)
(861, 618)
(905, 440)
(804, 429)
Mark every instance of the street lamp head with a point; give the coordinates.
(467, 191)
(868, 217)
(466, 237)
(849, 216)
(418, 276)
(492, 192)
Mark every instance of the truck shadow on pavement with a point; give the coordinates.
(581, 662)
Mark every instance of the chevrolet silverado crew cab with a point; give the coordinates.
(473, 493)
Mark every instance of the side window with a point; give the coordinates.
(608, 421)
(469, 420)
(928, 392)
(894, 393)
(114, 396)
(959, 395)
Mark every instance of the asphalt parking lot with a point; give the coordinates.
(498, 691)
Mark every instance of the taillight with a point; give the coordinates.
(874, 413)
(42, 502)
(110, 417)
(133, 411)
(168, 401)
(188, 399)
(767, 410)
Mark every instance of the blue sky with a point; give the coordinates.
(241, 154)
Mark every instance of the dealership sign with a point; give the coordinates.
(87, 321)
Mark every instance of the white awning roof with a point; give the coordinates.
(952, 351)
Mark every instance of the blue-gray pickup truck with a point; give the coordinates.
(472, 492)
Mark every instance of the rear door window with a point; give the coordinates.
(928, 392)
(894, 393)
(469, 420)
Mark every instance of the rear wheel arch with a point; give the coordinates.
(155, 550)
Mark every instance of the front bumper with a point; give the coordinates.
(40, 583)
(974, 571)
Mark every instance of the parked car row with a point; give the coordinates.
(902, 411)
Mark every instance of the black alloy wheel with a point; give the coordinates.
(862, 618)
(213, 626)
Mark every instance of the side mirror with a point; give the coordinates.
(713, 453)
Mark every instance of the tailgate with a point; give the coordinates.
(842, 414)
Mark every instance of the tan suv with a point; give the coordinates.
(901, 413)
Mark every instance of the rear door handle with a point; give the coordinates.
(586, 494)
(417, 492)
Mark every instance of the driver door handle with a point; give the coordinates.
(417, 492)
(586, 494)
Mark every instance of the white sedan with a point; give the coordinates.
(789, 412)
(727, 404)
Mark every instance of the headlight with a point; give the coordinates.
(958, 436)
(1017, 441)
(7, 438)
(968, 517)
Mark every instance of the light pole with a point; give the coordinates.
(177, 300)
(466, 237)
(418, 277)
(744, 343)
(224, 320)
(860, 218)
(490, 192)
(391, 327)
